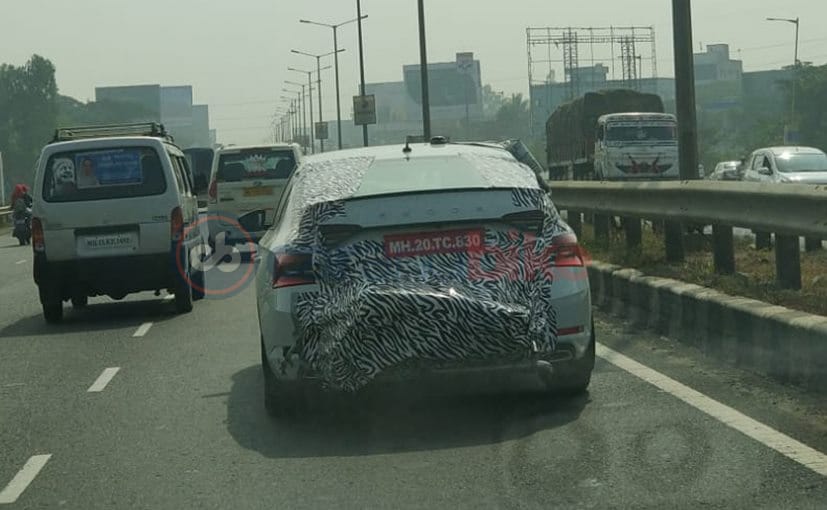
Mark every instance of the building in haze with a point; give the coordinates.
(455, 98)
(146, 97)
(171, 106)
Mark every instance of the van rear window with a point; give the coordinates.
(255, 164)
(103, 174)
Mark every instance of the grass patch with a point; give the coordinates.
(755, 277)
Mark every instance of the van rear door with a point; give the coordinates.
(252, 179)
(102, 202)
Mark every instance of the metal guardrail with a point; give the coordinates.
(793, 209)
(787, 210)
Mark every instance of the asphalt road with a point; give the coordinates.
(175, 420)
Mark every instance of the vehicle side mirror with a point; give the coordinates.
(764, 171)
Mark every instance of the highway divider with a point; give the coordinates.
(787, 345)
(787, 210)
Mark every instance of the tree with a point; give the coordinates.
(28, 111)
(513, 117)
(811, 104)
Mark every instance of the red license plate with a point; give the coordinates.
(427, 243)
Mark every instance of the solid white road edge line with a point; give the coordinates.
(143, 329)
(769, 437)
(103, 380)
(23, 479)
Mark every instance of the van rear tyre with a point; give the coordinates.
(53, 312)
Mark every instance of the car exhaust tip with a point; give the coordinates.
(545, 371)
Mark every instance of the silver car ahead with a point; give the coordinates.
(796, 165)
(394, 263)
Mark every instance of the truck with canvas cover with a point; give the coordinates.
(613, 135)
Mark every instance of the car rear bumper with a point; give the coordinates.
(114, 276)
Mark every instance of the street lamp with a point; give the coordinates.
(319, 82)
(303, 107)
(423, 71)
(309, 84)
(293, 121)
(796, 22)
(361, 66)
(336, 64)
(310, 95)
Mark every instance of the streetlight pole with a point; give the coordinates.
(797, 22)
(319, 80)
(289, 116)
(304, 109)
(361, 65)
(309, 85)
(423, 65)
(336, 63)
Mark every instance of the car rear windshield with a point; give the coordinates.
(103, 174)
(255, 164)
(638, 132)
(789, 162)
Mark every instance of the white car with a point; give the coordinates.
(244, 181)
(797, 165)
(394, 262)
(114, 213)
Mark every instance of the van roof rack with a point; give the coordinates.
(153, 129)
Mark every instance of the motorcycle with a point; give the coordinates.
(23, 227)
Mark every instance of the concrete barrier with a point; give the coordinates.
(788, 345)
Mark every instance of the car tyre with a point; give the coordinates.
(53, 311)
(198, 288)
(281, 399)
(80, 301)
(183, 292)
(572, 378)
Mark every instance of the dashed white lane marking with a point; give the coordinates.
(783, 444)
(143, 329)
(107, 375)
(21, 262)
(23, 479)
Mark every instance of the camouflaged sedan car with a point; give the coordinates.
(397, 262)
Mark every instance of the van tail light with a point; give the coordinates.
(176, 224)
(566, 252)
(38, 239)
(292, 269)
(212, 193)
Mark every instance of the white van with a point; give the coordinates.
(113, 211)
(245, 181)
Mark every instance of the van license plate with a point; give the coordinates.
(258, 192)
(120, 242)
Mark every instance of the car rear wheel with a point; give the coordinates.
(53, 311)
(281, 399)
(183, 292)
(80, 301)
(198, 289)
(572, 378)
(50, 299)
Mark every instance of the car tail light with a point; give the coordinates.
(565, 252)
(292, 269)
(176, 224)
(526, 220)
(213, 192)
(38, 239)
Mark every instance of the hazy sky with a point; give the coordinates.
(236, 53)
